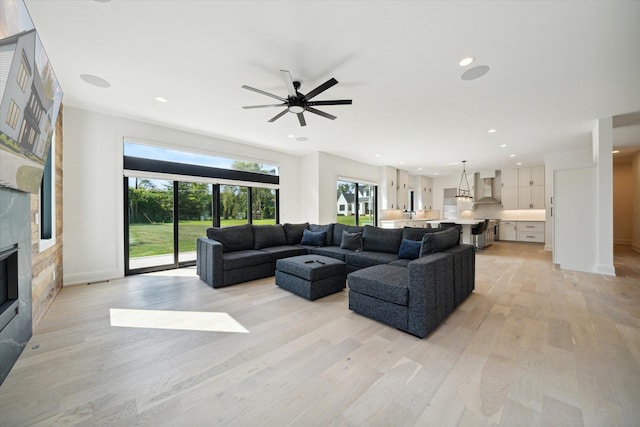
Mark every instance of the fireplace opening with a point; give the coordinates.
(8, 285)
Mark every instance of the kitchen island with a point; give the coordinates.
(466, 224)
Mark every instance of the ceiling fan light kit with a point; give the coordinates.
(296, 102)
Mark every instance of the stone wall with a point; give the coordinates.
(47, 265)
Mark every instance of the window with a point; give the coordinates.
(356, 203)
(169, 204)
(23, 75)
(12, 114)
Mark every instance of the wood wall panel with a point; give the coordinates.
(44, 264)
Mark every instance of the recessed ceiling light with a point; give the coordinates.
(95, 80)
(466, 61)
(503, 145)
(512, 155)
(377, 155)
(290, 136)
(435, 173)
(419, 169)
(161, 99)
(519, 164)
(475, 72)
(492, 130)
(402, 163)
(615, 151)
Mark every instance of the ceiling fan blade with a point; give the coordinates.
(321, 113)
(264, 106)
(324, 86)
(334, 102)
(264, 93)
(277, 116)
(301, 119)
(288, 83)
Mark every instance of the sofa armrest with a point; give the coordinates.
(209, 262)
(430, 287)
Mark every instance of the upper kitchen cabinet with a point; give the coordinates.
(388, 188)
(510, 189)
(426, 194)
(523, 188)
(403, 189)
(531, 188)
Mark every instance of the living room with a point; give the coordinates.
(90, 242)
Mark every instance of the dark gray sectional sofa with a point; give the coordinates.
(388, 280)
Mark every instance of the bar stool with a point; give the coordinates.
(476, 230)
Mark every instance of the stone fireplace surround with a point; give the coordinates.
(15, 230)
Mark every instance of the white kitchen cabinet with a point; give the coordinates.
(388, 188)
(530, 231)
(510, 178)
(531, 176)
(523, 188)
(403, 189)
(508, 230)
(426, 195)
(510, 198)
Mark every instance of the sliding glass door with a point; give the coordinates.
(150, 225)
(195, 213)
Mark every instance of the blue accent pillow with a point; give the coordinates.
(409, 249)
(313, 238)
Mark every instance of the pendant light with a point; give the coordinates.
(464, 193)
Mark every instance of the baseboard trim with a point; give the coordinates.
(608, 270)
(92, 277)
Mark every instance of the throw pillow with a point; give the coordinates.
(409, 249)
(313, 238)
(439, 241)
(328, 229)
(351, 241)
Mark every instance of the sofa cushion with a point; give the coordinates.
(401, 262)
(294, 232)
(313, 238)
(266, 236)
(381, 239)
(367, 259)
(244, 259)
(409, 249)
(351, 241)
(384, 282)
(278, 252)
(339, 228)
(439, 241)
(327, 228)
(416, 233)
(236, 238)
(332, 252)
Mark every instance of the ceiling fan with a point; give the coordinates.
(297, 102)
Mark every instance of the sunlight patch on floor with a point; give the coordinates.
(181, 320)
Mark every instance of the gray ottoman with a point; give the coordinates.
(311, 276)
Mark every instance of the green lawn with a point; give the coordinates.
(157, 239)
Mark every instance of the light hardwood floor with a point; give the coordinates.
(532, 345)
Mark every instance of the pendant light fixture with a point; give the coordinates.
(464, 193)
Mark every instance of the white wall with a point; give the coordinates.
(93, 186)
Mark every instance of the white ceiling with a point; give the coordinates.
(555, 67)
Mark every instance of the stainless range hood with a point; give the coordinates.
(485, 189)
